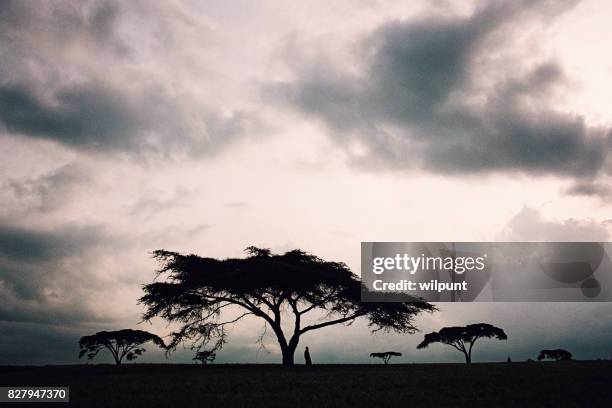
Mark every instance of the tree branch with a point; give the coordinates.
(113, 352)
(236, 319)
(330, 323)
(457, 347)
(472, 345)
(326, 299)
(297, 321)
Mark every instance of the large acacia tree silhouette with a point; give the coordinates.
(557, 355)
(199, 292)
(386, 356)
(463, 337)
(121, 343)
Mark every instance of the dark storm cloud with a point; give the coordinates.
(70, 74)
(102, 117)
(589, 188)
(37, 344)
(45, 275)
(22, 244)
(82, 116)
(413, 104)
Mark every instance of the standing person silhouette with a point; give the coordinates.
(307, 357)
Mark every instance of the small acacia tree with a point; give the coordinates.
(122, 344)
(463, 337)
(557, 355)
(205, 356)
(197, 293)
(385, 356)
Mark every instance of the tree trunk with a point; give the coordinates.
(288, 357)
(288, 349)
(289, 353)
(468, 358)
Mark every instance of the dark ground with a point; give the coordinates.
(578, 383)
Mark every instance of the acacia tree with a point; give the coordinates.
(385, 356)
(124, 343)
(205, 356)
(463, 337)
(557, 355)
(200, 295)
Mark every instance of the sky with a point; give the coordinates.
(205, 127)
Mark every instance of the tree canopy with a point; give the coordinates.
(463, 337)
(198, 293)
(557, 355)
(121, 344)
(386, 355)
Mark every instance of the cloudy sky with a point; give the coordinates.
(206, 127)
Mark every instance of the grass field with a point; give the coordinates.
(579, 383)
